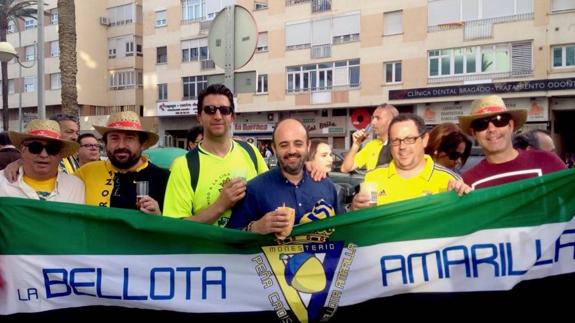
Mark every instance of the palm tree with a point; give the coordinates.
(11, 10)
(68, 62)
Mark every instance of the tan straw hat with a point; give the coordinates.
(46, 130)
(490, 106)
(127, 121)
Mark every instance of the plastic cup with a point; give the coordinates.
(371, 189)
(239, 172)
(291, 216)
(142, 189)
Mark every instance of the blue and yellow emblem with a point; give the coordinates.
(305, 273)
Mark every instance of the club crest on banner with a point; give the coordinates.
(310, 274)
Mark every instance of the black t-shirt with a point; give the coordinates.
(124, 192)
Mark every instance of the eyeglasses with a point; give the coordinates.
(407, 140)
(36, 147)
(224, 110)
(94, 146)
(500, 120)
(454, 155)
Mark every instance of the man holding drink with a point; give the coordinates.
(376, 152)
(285, 195)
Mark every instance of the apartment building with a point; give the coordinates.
(109, 47)
(329, 63)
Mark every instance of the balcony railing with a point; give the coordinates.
(208, 65)
(320, 5)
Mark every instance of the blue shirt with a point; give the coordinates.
(311, 200)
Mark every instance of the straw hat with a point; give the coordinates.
(47, 130)
(490, 106)
(127, 121)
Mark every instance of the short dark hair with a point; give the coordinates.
(529, 139)
(278, 124)
(64, 117)
(85, 135)
(193, 134)
(215, 89)
(5, 139)
(419, 123)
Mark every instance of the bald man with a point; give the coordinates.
(292, 187)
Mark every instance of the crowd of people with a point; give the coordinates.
(225, 182)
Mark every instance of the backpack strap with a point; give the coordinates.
(247, 147)
(193, 159)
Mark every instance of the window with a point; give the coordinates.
(450, 11)
(195, 50)
(558, 5)
(298, 35)
(161, 55)
(30, 23)
(260, 5)
(30, 52)
(393, 23)
(54, 16)
(54, 48)
(161, 18)
(393, 72)
(125, 79)
(122, 15)
(472, 60)
(262, 86)
(162, 92)
(124, 46)
(29, 84)
(193, 85)
(55, 81)
(11, 86)
(345, 28)
(11, 27)
(262, 42)
(192, 10)
(323, 76)
(563, 56)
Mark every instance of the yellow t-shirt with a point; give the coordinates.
(369, 154)
(391, 187)
(181, 201)
(42, 188)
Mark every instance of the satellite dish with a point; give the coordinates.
(245, 34)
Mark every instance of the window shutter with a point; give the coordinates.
(521, 58)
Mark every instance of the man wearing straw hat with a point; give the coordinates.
(42, 149)
(492, 125)
(112, 182)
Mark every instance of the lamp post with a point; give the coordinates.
(40, 57)
(7, 53)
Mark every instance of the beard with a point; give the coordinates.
(292, 169)
(123, 164)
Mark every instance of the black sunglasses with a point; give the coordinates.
(224, 110)
(36, 147)
(454, 155)
(500, 120)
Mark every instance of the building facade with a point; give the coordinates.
(328, 63)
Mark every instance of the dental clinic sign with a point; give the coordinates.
(440, 112)
(177, 108)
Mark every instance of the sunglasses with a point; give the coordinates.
(500, 120)
(454, 155)
(36, 147)
(224, 110)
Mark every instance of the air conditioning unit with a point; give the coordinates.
(104, 21)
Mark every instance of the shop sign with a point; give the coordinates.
(324, 125)
(484, 89)
(436, 113)
(251, 127)
(177, 108)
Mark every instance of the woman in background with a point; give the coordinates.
(320, 154)
(448, 146)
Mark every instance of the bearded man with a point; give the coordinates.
(112, 183)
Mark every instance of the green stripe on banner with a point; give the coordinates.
(41, 228)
